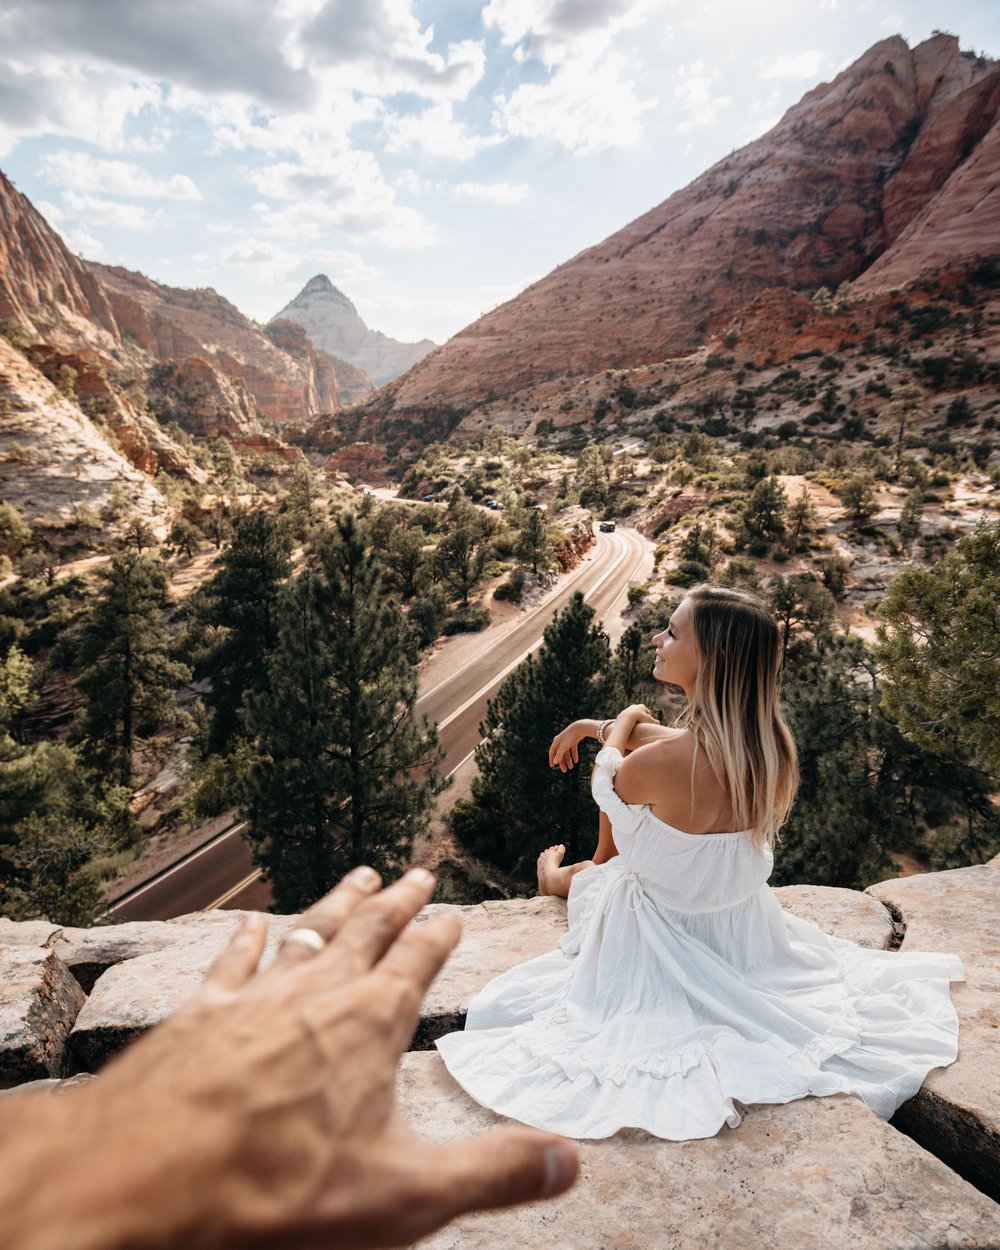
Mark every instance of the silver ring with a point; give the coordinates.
(310, 941)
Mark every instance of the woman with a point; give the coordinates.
(681, 986)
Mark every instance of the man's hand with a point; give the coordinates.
(262, 1113)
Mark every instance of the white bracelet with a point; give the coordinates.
(603, 729)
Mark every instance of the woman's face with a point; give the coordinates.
(676, 654)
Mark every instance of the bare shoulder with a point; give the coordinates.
(654, 769)
(677, 785)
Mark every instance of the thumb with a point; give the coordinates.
(506, 1167)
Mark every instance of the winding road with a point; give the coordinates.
(220, 872)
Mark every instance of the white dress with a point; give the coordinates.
(681, 985)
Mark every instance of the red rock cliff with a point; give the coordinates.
(879, 172)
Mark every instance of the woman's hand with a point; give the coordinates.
(263, 1112)
(565, 748)
(638, 714)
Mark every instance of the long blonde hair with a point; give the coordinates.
(733, 711)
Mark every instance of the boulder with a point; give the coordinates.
(39, 1001)
(956, 1115)
(810, 1175)
(843, 914)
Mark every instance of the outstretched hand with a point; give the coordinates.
(263, 1111)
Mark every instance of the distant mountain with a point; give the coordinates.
(885, 174)
(333, 324)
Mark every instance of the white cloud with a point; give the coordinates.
(494, 192)
(893, 21)
(48, 95)
(94, 211)
(281, 265)
(379, 47)
(437, 132)
(77, 171)
(343, 191)
(585, 106)
(694, 91)
(805, 66)
(554, 31)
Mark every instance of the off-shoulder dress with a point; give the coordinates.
(682, 988)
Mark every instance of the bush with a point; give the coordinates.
(512, 589)
(467, 620)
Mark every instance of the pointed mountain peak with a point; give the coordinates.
(321, 284)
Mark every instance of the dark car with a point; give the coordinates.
(429, 498)
(491, 503)
(607, 527)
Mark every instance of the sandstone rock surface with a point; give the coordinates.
(957, 1113)
(53, 459)
(333, 324)
(812, 1175)
(39, 1001)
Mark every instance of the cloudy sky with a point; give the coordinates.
(433, 157)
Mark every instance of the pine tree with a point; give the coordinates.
(128, 676)
(940, 647)
(240, 604)
(519, 804)
(866, 790)
(532, 539)
(765, 513)
(346, 773)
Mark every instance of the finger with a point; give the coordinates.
(412, 963)
(373, 927)
(238, 962)
(576, 753)
(504, 1167)
(328, 916)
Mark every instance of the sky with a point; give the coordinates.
(432, 157)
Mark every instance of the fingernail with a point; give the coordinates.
(561, 1163)
(364, 875)
(420, 876)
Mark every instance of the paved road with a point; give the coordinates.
(220, 874)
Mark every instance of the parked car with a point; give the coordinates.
(491, 503)
(607, 527)
(429, 498)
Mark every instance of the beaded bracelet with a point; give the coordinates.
(603, 729)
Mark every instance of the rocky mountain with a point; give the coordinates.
(875, 179)
(172, 324)
(57, 464)
(333, 324)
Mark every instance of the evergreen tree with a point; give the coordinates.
(800, 600)
(519, 804)
(939, 645)
(801, 522)
(765, 513)
(911, 515)
(128, 676)
(865, 789)
(859, 497)
(461, 554)
(240, 605)
(532, 539)
(345, 773)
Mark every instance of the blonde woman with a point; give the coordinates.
(681, 986)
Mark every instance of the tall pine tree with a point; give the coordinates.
(519, 804)
(128, 675)
(240, 605)
(346, 773)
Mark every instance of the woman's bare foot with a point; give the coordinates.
(550, 876)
